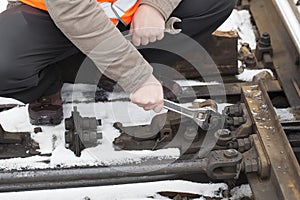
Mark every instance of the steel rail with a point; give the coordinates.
(291, 19)
(283, 181)
(267, 18)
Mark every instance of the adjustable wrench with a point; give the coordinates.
(199, 115)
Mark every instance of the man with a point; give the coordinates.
(38, 34)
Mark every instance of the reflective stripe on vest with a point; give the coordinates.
(116, 10)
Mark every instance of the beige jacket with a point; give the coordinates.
(87, 26)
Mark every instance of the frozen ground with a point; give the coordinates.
(139, 191)
(17, 120)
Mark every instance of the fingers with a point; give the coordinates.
(160, 36)
(146, 36)
(156, 108)
(153, 104)
(149, 96)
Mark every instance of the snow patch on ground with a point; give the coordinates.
(285, 114)
(138, 191)
(248, 74)
(4, 101)
(241, 192)
(51, 140)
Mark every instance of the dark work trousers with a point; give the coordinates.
(35, 56)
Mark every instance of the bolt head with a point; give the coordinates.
(230, 153)
(223, 133)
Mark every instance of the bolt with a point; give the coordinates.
(99, 135)
(265, 40)
(200, 116)
(230, 153)
(223, 133)
(250, 61)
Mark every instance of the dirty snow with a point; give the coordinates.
(285, 114)
(52, 138)
(241, 192)
(248, 74)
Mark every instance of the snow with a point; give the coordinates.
(51, 140)
(241, 192)
(239, 20)
(4, 100)
(3, 5)
(248, 74)
(190, 83)
(285, 114)
(137, 191)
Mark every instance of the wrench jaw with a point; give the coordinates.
(200, 119)
(169, 27)
(208, 120)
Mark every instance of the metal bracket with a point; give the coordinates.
(81, 132)
(17, 144)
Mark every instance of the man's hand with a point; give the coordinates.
(147, 25)
(149, 96)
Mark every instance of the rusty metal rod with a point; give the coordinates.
(41, 185)
(79, 177)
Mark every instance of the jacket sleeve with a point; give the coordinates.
(86, 25)
(165, 7)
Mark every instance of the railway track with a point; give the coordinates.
(262, 147)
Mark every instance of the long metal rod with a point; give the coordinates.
(41, 185)
(62, 178)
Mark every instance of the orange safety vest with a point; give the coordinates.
(116, 10)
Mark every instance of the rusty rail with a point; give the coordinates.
(283, 181)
